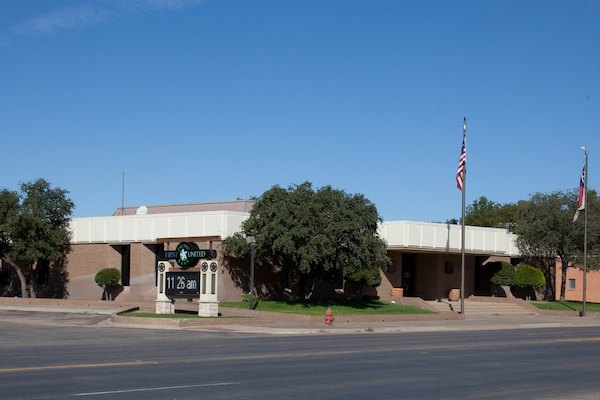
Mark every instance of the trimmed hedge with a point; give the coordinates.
(506, 276)
(108, 277)
(529, 276)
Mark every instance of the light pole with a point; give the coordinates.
(251, 240)
(585, 213)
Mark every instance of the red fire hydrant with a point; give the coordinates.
(328, 317)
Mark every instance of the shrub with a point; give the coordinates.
(108, 277)
(529, 276)
(246, 299)
(506, 276)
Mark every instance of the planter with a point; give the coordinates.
(454, 295)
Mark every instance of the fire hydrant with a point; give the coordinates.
(328, 317)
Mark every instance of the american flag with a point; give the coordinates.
(581, 196)
(462, 161)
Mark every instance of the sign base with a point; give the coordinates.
(208, 308)
(165, 307)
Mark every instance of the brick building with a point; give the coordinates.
(132, 239)
(574, 284)
(426, 259)
(426, 256)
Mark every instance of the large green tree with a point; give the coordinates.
(33, 229)
(529, 278)
(546, 232)
(313, 235)
(484, 212)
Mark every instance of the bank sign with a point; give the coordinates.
(187, 254)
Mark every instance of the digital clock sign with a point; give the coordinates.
(183, 284)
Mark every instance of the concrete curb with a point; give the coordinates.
(415, 327)
(276, 322)
(256, 322)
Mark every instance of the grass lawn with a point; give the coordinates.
(144, 314)
(566, 305)
(341, 307)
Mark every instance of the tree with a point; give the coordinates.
(529, 277)
(33, 228)
(546, 233)
(593, 232)
(484, 212)
(481, 212)
(108, 279)
(311, 236)
(506, 276)
(9, 206)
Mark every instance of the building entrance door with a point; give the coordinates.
(408, 274)
(483, 276)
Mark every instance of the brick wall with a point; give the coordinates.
(576, 294)
(84, 261)
(431, 279)
(391, 279)
(142, 272)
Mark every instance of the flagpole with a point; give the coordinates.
(462, 241)
(585, 214)
(123, 194)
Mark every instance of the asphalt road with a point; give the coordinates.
(86, 361)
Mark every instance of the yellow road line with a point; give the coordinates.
(76, 366)
(154, 389)
(580, 340)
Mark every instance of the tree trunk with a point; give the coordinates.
(507, 291)
(549, 292)
(33, 281)
(301, 287)
(563, 280)
(22, 279)
(311, 292)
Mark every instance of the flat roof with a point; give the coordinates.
(232, 205)
(399, 235)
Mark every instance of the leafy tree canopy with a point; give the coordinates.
(529, 276)
(9, 207)
(545, 228)
(506, 276)
(546, 232)
(484, 212)
(33, 227)
(314, 235)
(107, 277)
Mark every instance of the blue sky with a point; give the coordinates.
(221, 99)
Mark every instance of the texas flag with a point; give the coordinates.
(581, 197)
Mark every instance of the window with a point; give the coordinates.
(571, 284)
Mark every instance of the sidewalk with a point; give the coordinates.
(64, 306)
(256, 322)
